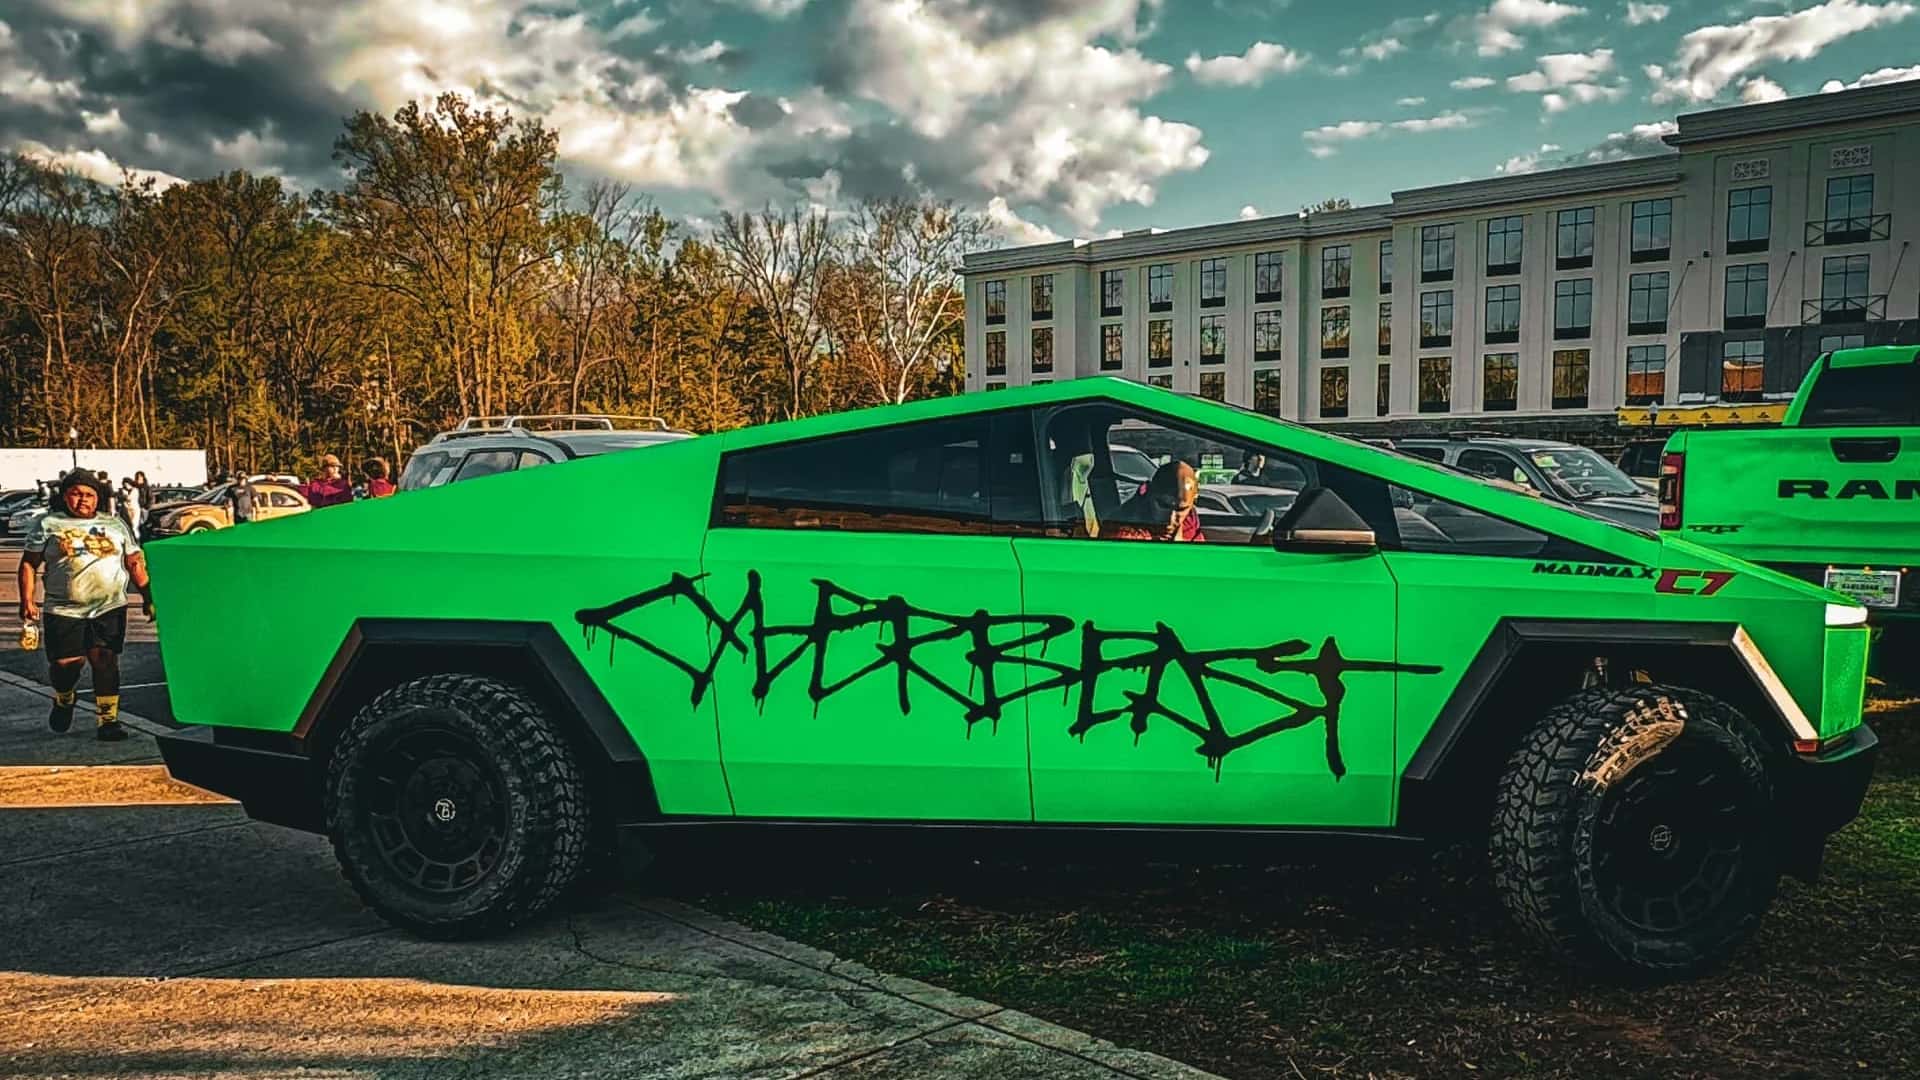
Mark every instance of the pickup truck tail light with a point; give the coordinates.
(1673, 468)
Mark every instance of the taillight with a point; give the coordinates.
(1673, 469)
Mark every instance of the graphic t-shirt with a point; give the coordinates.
(86, 562)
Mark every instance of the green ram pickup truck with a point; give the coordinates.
(1831, 496)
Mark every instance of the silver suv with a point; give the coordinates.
(484, 445)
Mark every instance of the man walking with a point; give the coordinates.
(90, 557)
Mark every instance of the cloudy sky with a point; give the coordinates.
(1057, 117)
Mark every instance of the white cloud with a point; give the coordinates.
(1473, 82)
(1248, 213)
(1759, 89)
(1411, 102)
(1712, 57)
(1640, 140)
(1382, 49)
(231, 44)
(1496, 30)
(1527, 162)
(773, 9)
(701, 54)
(1640, 14)
(638, 24)
(1566, 79)
(1873, 78)
(1446, 121)
(1262, 58)
(1322, 142)
(92, 164)
(1015, 229)
(103, 123)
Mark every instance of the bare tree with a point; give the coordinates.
(780, 259)
(1338, 202)
(898, 295)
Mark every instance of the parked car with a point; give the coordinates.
(905, 616)
(210, 510)
(21, 519)
(1831, 496)
(13, 502)
(485, 445)
(1559, 471)
(1640, 459)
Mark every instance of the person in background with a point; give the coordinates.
(109, 501)
(240, 499)
(330, 488)
(132, 503)
(378, 486)
(90, 558)
(1251, 469)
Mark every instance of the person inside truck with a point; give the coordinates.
(1165, 511)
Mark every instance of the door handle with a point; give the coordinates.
(1876, 451)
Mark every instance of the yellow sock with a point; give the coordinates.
(108, 706)
(65, 698)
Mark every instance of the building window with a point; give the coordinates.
(1743, 370)
(1266, 277)
(1160, 343)
(1570, 369)
(1042, 382)
(1333, 392)
(1436, 383)
(1336, 271)
(1749, 219)
(1849, 209)
(996, 302)
(1843, 290)
(1746, 305)
(1503, 314)
(1160, 287)
(1436, 253)
(1436, 318)
(1834, 342)
(1112, 342)
(1573, 308)
(1213, 283)
(1213, 339)
(1647, 303)
(1506, 239)
(1335, 328)
(1164, 382)
(1382, 389)
(996, 386)
(1267, 335)
(1386, 265)
(1385, 344)
(1113, 286)
(1266, 391)
(1574, 243)
(1646, 374)
(1040, 295)
(1213, 385)
(1500, 387)
(997, 353)
(1652, 230)
(1043, 349)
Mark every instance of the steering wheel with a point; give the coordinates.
(1264, 529)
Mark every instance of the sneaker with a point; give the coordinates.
(60, 718)
(111, 731)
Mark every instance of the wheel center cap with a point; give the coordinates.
(444, 810)
(1660, 839)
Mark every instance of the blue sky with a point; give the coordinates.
(1055, 117)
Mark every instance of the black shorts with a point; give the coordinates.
(65, 637)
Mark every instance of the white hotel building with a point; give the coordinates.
(1544, 301)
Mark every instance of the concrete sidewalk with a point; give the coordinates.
(181, 939)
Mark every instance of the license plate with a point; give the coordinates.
(1874, 588)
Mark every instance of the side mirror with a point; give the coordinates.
(1321, 521)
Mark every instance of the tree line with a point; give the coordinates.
(453, 273)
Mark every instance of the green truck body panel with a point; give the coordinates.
(970, 677)
(1815, 492)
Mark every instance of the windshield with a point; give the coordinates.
(1584, 474)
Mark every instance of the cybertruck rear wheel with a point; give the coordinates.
(456, 807)
(1632, 831)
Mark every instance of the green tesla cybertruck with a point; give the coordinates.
(959, 613)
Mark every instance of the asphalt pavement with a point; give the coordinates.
(152, 930)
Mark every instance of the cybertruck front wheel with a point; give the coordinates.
(1632, 831)
(456, 807)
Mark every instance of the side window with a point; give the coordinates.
(283, 498)
(486, 463)
(917, 478)
(530, 458)
(1493, 465)
(1440, 527)
(1885, 395)
(422, 468)
(1099, 465)
(1431, 453)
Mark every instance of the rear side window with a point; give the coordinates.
(1887, 395)
(424, 469)
(1430, 453)
(915, 478)
(1442, 527)
(486, 463)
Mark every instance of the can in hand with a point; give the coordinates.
(30, 636)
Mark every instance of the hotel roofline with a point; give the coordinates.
(1737, 122)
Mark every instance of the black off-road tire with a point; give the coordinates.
(1633, 832)
(419, 757)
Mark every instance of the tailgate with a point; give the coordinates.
(1806, 495)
